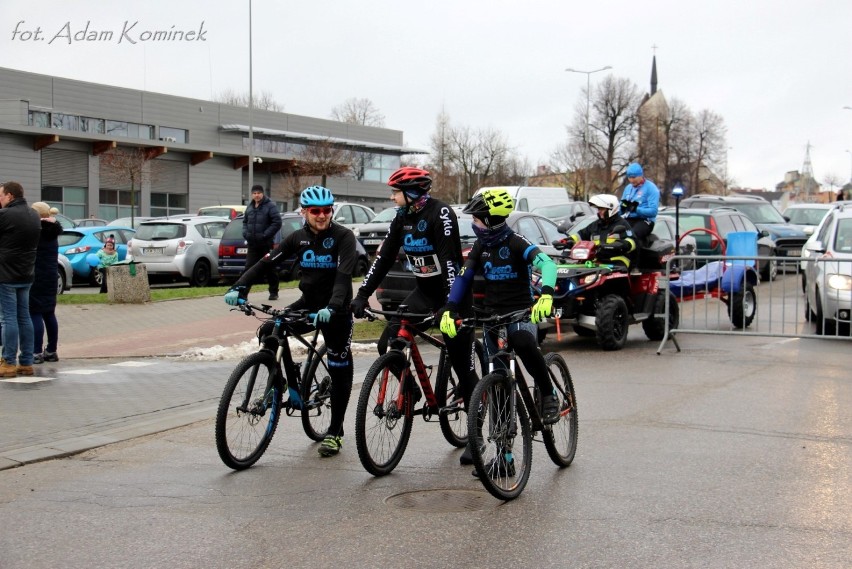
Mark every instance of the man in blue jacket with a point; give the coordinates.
(640, 202)
(261, 223)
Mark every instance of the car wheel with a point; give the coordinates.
(60, 283)
(361, 267)
(201, 274)
(96, 278)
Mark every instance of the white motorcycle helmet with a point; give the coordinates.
(607, 202)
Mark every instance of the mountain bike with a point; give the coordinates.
(503, 409)
(385, 412)
(252, 400)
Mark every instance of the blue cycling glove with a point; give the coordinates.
(232, 297)
(323, 315)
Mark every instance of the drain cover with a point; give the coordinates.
(443, 501)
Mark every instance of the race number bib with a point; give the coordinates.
(424, 265)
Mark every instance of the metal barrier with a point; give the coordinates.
(729, 299)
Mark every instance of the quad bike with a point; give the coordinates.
(600, 299)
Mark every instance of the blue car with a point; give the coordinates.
(79, 242)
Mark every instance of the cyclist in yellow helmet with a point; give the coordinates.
(506, 259)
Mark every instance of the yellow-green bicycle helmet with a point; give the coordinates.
(492, 206)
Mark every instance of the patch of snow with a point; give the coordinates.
(239, 351)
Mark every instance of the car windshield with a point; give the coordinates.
(160, 231)
(760, 212)
(466, 227)
(805, 215)
(560, 210)
(385, 215)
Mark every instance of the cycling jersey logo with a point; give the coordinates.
(412, 245)
(310, 260)
(504, 252)
(328, 242)
(503, 273)
(421, 225)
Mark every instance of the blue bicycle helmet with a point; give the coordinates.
(316, 195)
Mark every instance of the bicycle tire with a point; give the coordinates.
(490, 425)
(560, 438)
(316, 397)
(242, 435)
(382, 442)
(454, 423)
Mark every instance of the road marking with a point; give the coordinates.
(33, 379)
(83, 371)
(134, 364)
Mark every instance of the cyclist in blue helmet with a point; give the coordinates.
(326, 255)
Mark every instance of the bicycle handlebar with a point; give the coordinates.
(285, 313)
(483, 317)
(372, 312)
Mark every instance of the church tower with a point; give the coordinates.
(653, 114)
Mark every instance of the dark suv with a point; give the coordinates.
(788, 239)
(724, 220)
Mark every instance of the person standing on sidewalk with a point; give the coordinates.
(261, 223)
(43, 291)
(20, 227)
(326, 255)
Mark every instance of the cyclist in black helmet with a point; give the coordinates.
(428, 232)
(326, 255)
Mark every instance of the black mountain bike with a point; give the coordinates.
(252, 401)
(504, 415)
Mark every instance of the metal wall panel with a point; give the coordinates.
(14, 112)
(93, 100)
(64, 168)
(214, 182)
(37, 89)
(169, 176)
(18, 162)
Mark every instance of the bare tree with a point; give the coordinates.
(476, 155)
(832, 180)
(358, 111)
(314, 165)
(445, 181)
(264, 101)
(566, 161)
(124, 166)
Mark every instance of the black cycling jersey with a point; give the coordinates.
(430, 239)
(327, 261)
(507, 268)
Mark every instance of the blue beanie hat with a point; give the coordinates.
(634, 170)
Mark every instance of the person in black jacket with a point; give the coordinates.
(20, 227)
(326, 255)
(261, 222)
(43, 291)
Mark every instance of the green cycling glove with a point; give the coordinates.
(448, 325)
(541, 309)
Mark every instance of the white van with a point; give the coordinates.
(528, 198)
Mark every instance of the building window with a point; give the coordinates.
(40, 119)
(69, 201)
(167, 204)
(65, 122)
(170, 134)
(116, 128)
(135, 130)
(113, 204)
(95, 126)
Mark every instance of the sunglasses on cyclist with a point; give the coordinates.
(320, 210)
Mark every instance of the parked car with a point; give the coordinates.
(233, 250)
(806, 216)
(788, 239)
(80, 242)
(65, 275)
(371, 234)
(400, 280)
(229, 211)
(828, 290)
(66, 222)
(569, 212)
(131, 222)
(351, 214)
(724, 220)
(185, 248)
(806, 253)
(90, 222)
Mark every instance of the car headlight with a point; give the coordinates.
(840, 282)
(357, 232)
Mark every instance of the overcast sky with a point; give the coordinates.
(779, 72)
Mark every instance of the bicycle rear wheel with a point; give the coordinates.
(560, 438)
(249, 410)
(383, 418)
(453, 419)
(501, 460)
(316, 397)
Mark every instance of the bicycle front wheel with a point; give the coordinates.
(452, 416)
(249, 411)
(502, 443)
(383, 418)
(316, 397)
(560, 438)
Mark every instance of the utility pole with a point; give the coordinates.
(586, 135)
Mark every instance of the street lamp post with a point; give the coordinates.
(251, 120)
(586, 136)
(677, 192)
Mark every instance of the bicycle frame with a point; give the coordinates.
(407, 334)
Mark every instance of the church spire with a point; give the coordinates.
(654, 75)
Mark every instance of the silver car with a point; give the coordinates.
(65, 274)
(183, 247)
(828, 268)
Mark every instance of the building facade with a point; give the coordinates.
(57, 137)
